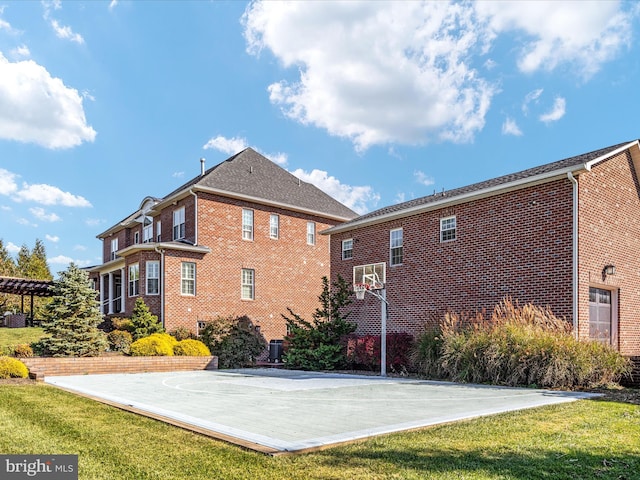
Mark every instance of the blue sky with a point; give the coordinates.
(104, 103)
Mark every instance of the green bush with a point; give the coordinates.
(120, 341)
(191, 348)
(12, 368)
(182, 333)
(158, 344)
(518, 346)
(143, 322)
(122, 323)
(234, 340)
(23, 350)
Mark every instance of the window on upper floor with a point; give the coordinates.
(248, 284)
(447, 229)
(274, 226)
(134, 280)
(188, 278)
(311, 233)
(178, 224)
(158, 231)
(153, 277)
(136, 237)
(347, 249)
(147, 233)
(396, 247)
(247, 224)
(114, 248)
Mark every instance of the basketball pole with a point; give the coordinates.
(382, 296)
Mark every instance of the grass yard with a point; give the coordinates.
(17, 336)
(579, 440)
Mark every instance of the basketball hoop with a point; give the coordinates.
(360, 289)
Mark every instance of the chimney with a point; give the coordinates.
(201, 166)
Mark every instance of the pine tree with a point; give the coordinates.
(72, 317)
(33, 264)
(143, 322)
(7, 269)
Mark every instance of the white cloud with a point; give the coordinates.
(400, 197)
(21, 52)
(557, 111)
(510, 127)
(52, 238)
(38, 108)
(375, 72)
(584, 36)
(93, 222)
(358, 198)
(4, 25)
(177, 174)
(64, 260)
(41, 214)
(25, 222)
(423, 179)
(80, 248)
(8, 183)
(12, 247)
(233, 145)
(65, 32)
(50, 195)
(532, 96)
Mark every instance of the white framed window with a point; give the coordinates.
(114, 248)
(147, 233)
(347, 249)
(153, 277)
(311, 233)
(247, 284)
(134, 280)
(188, 278)
(136, 237)
(247, 224)
(396, 247)
(274, 226)
(158, 231)
(178, 224)
(447, 229)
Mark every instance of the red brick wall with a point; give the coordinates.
(609, 233)
(514, 244)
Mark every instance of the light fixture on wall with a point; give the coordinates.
(608, 270)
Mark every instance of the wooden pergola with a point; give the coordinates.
(26, 286)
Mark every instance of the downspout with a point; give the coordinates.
(575, 253)
(195, 207)
(161, 252)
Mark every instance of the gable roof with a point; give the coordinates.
(505, 183)
(250, 176)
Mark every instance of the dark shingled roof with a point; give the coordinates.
(250, 174)
(492, 183)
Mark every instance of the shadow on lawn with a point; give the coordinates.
(454, 464)
(622, 395)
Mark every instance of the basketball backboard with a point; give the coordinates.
(373, 275)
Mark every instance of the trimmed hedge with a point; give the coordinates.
(12, 368)
(158, 344)
(191, 348)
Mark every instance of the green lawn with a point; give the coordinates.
(580, 440)
(17, 336)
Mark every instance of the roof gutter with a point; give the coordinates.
(195, 240)
(574, 250)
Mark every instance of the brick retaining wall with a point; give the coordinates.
(39, 367)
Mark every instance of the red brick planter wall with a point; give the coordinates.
(40, 367)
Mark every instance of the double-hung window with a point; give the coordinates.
(396, 247)
(347, 249)
(153, 277)
(248, 284)
(447, 229)
(158, 231)
(274, 226)
(114, 248)
(178, 224)
(188, 278)
(247, 224)
(147, 233)
(134, 280)
(311, 233)
(136, 237)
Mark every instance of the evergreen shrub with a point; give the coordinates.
(143, 322)
(120, 341)
(191, 348)
(234, 340)
(12, 368)
(182, 333)
(23, 350)
(155, 345)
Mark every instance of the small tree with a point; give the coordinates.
(72, 317)
(234, 340)
(143, 322)
(317, 345)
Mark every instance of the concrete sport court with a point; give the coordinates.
(281, 411)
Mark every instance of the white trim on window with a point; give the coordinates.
(347, 249)
(247, 290)
(247, 224)
(147, 233)
(158, 231)
(188, 278)
(152, 271)
(134, 280)
(274, 226)
(136, 237)
(179, 224)
(448, 227)
(114, 248)
(311, 233)
(396, 249)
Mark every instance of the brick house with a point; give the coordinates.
(564, 235)
(239, 239)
